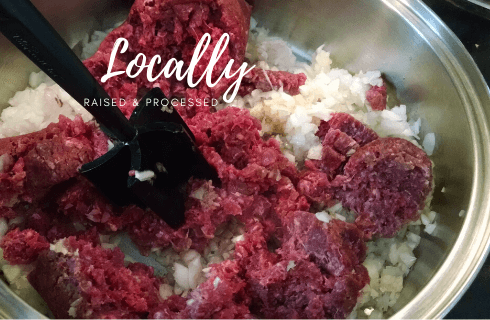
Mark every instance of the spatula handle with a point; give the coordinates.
(29, 31)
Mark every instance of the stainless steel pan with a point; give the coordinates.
(434, 76)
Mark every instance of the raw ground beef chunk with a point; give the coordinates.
(316, 273)
(222, 296)
(83, 203)
(341, 136)
(33, 163)
(316, 187)
(91, 282)
(207, 208)
(348, 124)
(376, 96)
(22, 247)
(288, 265)
(171, 29)
(337, 146)
(386, 182)
(337, 247)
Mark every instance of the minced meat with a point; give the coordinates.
(22, 247)
(171, 29)
(313, 270)
(386, 182)
(90, 282)
(376, 96)
(40, 160)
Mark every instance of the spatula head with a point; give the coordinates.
(153, 169)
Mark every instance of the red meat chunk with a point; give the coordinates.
(337, 247)
(337, 146)
(222, 296)
(248, 166)
(91, 282)
(341, 137)
(287, 199)
(348, 124)
(38, 161)
(231, 132)
(171, 29)
(205, 213)
(376, 96)
(386, 182)
(340, 141)
(315, 186)
(331, 160)
(230, 141)
(46, 219)
(207, 208)
(22, 247)
(316, 273)
(83, 203)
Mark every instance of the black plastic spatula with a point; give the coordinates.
(154, 153)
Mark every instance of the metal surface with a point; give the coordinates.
(437, 80)
(471, 30)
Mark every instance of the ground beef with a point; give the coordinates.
(289, 265)
(83, 203)
(348, 124)
(171, 29)
(376, 96)
(222, 296)
(341, 136)
(40, 160)
(340, 142)
(22, 247)
(287, 199)
(168, 309)
(386, 182)
(202, 219)
(256, 183)
(316, 273)
(254, 176)
(91, 282)
(231, 142)
(315, 186)
(257, 191)
(337, 247)
(251, 171)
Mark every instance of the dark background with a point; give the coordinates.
(474, 32)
